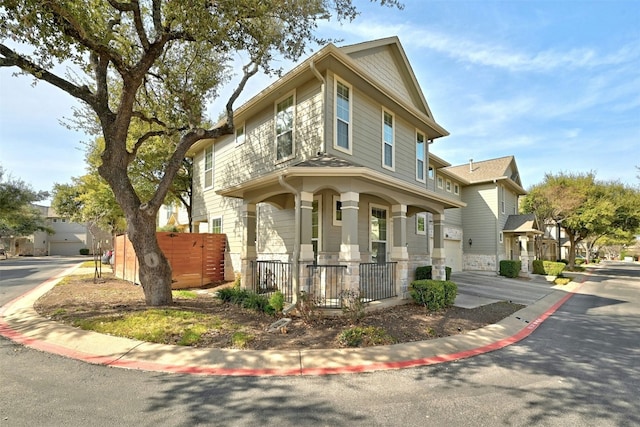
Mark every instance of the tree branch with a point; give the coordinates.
(12, 59)
(249, 70)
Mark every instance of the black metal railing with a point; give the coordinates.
(326, 284)
(272, 276)
(377, 281)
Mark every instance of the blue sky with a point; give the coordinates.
(554, 83)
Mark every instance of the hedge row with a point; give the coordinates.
(548, 268)
(434, 294)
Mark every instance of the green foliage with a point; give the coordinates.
(276, 300)
(548, 268)
(84, 251)
(352, 304)
(426, 273)
(434, 294)
(364, 336)
(240, 339)
(246, 299)
(17, 215)
(184, 294)
(510, 268)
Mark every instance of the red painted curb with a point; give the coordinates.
(10, 333)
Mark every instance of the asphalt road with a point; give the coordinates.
(579, 368)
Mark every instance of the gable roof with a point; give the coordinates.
(386, 60)
(503, 168)
(526, 223)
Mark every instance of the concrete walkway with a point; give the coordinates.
(20, 322)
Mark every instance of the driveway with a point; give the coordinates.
(476, 288)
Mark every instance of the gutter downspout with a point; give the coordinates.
(296, 244)
(314, 70)
(495, 181)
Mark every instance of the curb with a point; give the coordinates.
(20, 323)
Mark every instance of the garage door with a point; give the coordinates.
(453, 254)
(65, 248)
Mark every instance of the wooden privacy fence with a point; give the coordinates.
(196, 259)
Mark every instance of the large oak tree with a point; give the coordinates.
(156, 63)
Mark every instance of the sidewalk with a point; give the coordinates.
(21, 323)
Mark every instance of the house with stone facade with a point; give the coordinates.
(328, 183)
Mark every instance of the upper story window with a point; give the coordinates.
(208, 167)
(284, 128)
(240, 136)
(387, 140)
(448, 186)
(431, 172)
(343, 117)
(440, 182)
(456, 188)
(502, 201)
(420, 156)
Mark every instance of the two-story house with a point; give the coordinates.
(328, 173)
(493, 229)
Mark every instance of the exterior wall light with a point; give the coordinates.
(470, 242)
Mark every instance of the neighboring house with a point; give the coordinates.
(67, 238)
(493, 229)
(328, 170)
(173, 215)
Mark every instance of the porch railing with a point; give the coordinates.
(377, 280)
(272, 276)
(326, 283)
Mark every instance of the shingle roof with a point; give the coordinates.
(486, 170)
(521, 224)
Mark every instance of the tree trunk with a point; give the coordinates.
(155, 271)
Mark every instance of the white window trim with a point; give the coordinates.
(319, 239)
(393, 140)
(448, 186)
(422, 215)
(335, 115)
(440, 182)
(501, 237)
(336, 222)
(502, 201)
(204, 175)
(389, 230)
(456, 188)
(240, 141)
(425, 167)
(293, 128)
(433, 175)
(211, 224)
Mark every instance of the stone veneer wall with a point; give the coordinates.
(479, 262)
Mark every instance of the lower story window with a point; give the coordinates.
(216, 225)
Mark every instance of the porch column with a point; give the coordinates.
(249, 253)
(524, 254)
(438, 257)
(399, 251)
(349, 248)
(306, 246)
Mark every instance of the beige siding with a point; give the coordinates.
(383, 66)
(479, 218)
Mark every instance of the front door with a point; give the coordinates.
(378, 234)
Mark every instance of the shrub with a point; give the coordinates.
(548, 268)
(433, 294)
(276, 301)
(352, 304)
(509, 268)
(307, 306)
(423, 273)
(84, 251)
(426, 273)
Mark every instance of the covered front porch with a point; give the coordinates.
(332, 231)
(521, 233)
